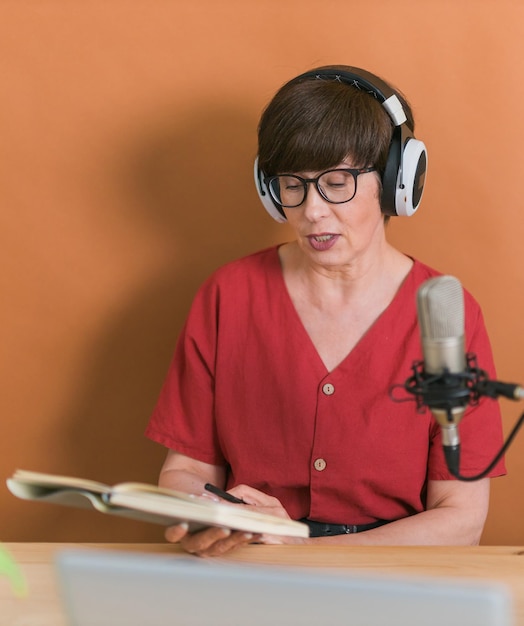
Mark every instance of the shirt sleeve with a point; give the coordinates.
(183, 418)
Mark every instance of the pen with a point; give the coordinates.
(223, 494)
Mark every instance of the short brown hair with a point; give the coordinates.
(312, 124)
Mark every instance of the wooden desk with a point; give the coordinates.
(503, 564)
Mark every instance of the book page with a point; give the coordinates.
(234, 516)
(138, 488)
(52, 480)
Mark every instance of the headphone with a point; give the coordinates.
(404, 175)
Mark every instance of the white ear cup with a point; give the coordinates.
(265, 196)
(411, 177)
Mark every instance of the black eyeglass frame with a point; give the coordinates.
(307, 181)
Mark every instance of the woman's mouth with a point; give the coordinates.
(323, 241)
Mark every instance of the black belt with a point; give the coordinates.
(322, 529)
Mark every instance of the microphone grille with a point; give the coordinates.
(440, 303)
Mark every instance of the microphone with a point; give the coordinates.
(440, 307)
(448, 379)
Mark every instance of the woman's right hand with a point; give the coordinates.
(183, 473)
(208, 542)
(174, 534)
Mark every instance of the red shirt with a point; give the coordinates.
(248, 390)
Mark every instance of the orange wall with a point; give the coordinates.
(127, 139)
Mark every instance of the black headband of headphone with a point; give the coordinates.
(404, 175)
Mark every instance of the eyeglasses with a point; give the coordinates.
(335, 186)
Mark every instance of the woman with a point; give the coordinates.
(279, 387)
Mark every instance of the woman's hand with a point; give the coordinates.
(262, 501)
(216, 541)
(268, 505)
(219, 541)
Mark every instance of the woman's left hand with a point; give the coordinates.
(219, 541)
(269, 505)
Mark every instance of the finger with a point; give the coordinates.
(234, 541)
(175, 533)
(253, 496)
(199, 542)
(226, 544)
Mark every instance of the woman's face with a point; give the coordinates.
(336, 236)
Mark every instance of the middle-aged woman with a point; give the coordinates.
(279, 386)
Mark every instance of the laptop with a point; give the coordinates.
(113, 588)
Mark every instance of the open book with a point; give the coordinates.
(149, 503)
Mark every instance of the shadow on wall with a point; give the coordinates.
(190, 184)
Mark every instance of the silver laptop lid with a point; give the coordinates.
(115, 588)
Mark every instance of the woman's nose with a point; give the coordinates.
(314, 205)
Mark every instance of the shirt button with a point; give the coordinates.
(320, 465)
(328, 389)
